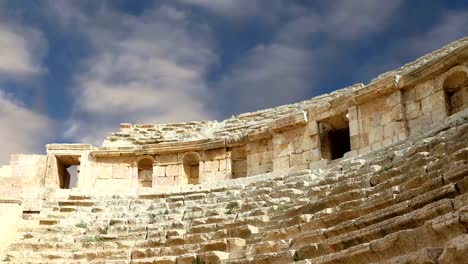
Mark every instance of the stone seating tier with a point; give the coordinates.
(405, 203)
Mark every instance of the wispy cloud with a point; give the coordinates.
(23, 131)
(21, 51)
(289, 67)
(149, 68)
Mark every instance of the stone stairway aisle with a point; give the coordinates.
(406, 203)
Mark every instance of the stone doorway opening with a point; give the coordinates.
(145, 172)
(455, 85)
(335, 139)
(191, 162)
(68, 170)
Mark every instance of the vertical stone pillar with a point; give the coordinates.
(396, 102)
(134, 175)
(313, 132)
(354, 128)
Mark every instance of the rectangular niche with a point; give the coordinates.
(68, 169)
(335, 139)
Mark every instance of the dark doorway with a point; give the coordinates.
(335, 140)
(68, 170)
(340, 142)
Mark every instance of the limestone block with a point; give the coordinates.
(364, 139)
(353, 128)
(377, 116)
(281, 163)
(288, 122)
(239, 153)
(409, 95)
(355, 141)
(281, 150)
(386, 118)
(308, 142)
(210, 166)
(245, 231)
(394, 99)
(312, 128)
(159, 171)
(215, 154)
(259, 146)
(455, 251)
(172, 170)
(438, 114)
(414, 125)
(168, 158)
(397, 113)
(390, 130)
(413, 110)
(214, 256)
(259, 169)
(260, 158)
(353, 113)
(239, 168)
(376, 134)
(426, 121)
(187, 258)
(423, 90)
(296, 160)
(165, 260)
(310, 155)
(120, 172)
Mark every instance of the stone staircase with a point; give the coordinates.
(406, 203)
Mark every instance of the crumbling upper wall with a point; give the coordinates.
(311, 133)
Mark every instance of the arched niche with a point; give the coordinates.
(455, 86)
(145, 171)
(191, 162)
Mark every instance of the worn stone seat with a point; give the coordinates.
(412, 196)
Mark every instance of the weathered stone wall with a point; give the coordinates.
(305, 135)
(380, 122)
(424, 105)
(260, 156)
(293, 149)
(10, 217)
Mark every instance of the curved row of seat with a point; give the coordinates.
(406, 203)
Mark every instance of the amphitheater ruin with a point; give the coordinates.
(372, 173)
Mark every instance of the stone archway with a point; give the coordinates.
(191, 162)
(145, 171)
(455, 86)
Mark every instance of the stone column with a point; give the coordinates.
(354, 129)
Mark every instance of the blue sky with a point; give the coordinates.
(72, 71)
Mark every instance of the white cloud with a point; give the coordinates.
(268, 76)
(451, 27)
(289, 67)
(150, 68)
(21, 51)
(23, 131)
(263, 11)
